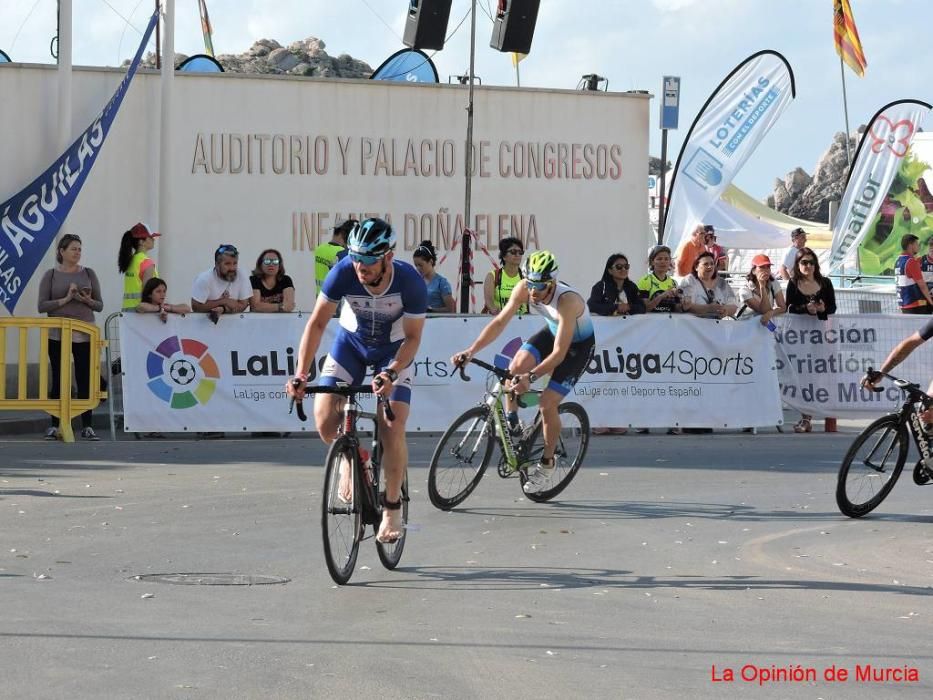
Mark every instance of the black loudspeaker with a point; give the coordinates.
(515, 25)
(426, 24)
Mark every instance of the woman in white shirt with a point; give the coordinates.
(705, 293)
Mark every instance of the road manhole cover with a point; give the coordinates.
(212, 579)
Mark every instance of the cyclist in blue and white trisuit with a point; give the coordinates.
(382, 317)
(562, 349)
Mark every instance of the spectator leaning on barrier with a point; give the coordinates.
(798, 239)
(913, 297)
(273, 290)
(810, 293)
(658, 289)
(719, 253)
(153, 301)
(69, 290)
(224, 288)
(705, 293)
(689, 251)
(440, 295)
(499, 283)
(762, 293)
(134, 263)
(615, 294)
(327, 254)
(926, 265)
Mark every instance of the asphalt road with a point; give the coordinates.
(667, 557)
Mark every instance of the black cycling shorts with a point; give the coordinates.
(566, 374)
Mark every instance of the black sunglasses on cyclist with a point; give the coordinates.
(537, 286)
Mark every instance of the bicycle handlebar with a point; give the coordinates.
(902, 384)
(347, 390)
(503, 374)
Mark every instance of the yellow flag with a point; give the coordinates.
(845, 35)
(516, 57)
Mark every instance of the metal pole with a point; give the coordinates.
(466, 280)
(165, 136)
(845, 107)
(662, 203)
(518, 77)
(158, 38)
(64, 79)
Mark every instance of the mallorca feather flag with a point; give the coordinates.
(848, 45)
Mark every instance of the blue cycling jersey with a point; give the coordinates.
(376, 321)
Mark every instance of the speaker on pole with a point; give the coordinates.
(514, 26)
(426, 24)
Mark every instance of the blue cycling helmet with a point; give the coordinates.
(371, 237)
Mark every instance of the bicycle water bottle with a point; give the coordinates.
(367, 466)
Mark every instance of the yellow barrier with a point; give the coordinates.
(64, 407)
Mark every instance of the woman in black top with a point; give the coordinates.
(273, 290)
(615, 294)
(808, 292)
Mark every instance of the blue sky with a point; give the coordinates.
(631, 42)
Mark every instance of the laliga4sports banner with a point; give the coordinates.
(31, 219)
(884, 145)
(648, 371)
(728, 128)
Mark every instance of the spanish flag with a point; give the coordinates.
(848, 45)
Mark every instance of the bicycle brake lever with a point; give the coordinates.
(296, 405)
(387, 409)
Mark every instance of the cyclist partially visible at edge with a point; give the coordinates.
(381, 321)
(898, 354)
(562, 349)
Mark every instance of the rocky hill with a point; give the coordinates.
(267, 56)
(807, 197)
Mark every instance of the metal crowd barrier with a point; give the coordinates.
(115, 370)
(65, 407)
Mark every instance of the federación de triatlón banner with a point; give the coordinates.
(30, 220)
(880, 154)
(726, 131)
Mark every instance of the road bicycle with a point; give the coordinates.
(466, 447)
(344, 516)
(876, 458)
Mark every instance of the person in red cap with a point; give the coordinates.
(134, 263)
(762, 293)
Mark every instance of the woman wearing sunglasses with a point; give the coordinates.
(561, 349)
(705, 293)
(808, 292)
(499, 283)
(273, 290)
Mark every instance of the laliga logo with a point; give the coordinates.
(895, 136)
(182, 372)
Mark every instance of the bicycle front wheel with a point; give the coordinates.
(871, 466)
(571, 448)
(460, 458)
(341, 519)
(391, 553)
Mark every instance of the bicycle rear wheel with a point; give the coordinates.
(460, 458)
(391, 553)
(871, 466)
(571, 448)
(341, 520)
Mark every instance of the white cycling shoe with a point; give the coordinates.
(539, 478)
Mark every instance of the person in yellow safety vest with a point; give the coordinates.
(134, 263)
(327, 254)
(499, 283)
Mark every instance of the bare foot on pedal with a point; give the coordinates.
(392, 525)
(345, 487)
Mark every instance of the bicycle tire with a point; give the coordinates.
(465, 476)
(341, 523)
(390, 554)
(566, 466)
(858, 475)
